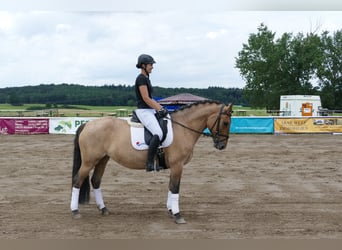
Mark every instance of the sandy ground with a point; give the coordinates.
(261, 186)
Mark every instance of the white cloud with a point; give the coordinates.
(61, 28)
(216, 34)
(212, 35)
(157, 5)
(192, 48)
(6, 21)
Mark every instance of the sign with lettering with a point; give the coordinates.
(67, 125)
(24, 126)
(308, 125)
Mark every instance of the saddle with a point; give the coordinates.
(141, 136)
(147, 134)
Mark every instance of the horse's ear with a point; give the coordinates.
(230, 108)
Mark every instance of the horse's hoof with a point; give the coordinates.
(104, 211)
(179, 219)
(76, 214)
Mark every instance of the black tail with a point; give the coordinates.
(85, 188)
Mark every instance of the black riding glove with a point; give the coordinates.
(163, 112)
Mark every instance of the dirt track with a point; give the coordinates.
(261, 186)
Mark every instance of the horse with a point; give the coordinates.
(101, 139)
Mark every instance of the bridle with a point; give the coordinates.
(216, 136)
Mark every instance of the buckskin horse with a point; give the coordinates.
(99, 140)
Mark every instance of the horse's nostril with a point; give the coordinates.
(220, 146)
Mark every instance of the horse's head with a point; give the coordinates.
(219, 126)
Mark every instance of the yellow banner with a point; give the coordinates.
(308, 125)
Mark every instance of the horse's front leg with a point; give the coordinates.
(172, 203)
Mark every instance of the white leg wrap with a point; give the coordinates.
(75, 193)
(168, 202)
(99, 198)
(175, 203)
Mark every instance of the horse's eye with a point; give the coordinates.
(225, 124)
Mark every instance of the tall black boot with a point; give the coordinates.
(152, 150)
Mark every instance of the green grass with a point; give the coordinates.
(97, 111)
(23, 107)
(247, 111)
(69, 111)
(103, 108)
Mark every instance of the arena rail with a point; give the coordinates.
(240, 125)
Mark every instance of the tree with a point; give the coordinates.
(108, 95)
(255, 65)
(14, 99)
(305, 56)
(273, 68)
(330, 71)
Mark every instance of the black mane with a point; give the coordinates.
(195, 104)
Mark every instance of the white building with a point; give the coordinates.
(300, 105)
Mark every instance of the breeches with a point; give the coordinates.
(147, 117)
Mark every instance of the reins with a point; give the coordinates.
(191, 129)
(217, 123)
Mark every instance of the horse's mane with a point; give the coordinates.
(196, 104)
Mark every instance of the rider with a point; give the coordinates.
(148, 107)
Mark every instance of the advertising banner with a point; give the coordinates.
(308, 125)
(253, 125)
(67, 125)
(24, 126)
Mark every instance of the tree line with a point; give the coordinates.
(107, 95)
(298, 64)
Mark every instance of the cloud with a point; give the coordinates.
(192, 48)
(158, 6)
(216, 34)
(6, 21)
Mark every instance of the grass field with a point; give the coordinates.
(40, 110)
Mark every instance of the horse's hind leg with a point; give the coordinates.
(96, 182)
(80, 189)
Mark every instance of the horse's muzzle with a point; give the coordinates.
(220, 145)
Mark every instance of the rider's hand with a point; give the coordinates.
(163, 112)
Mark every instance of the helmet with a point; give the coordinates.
(144, 59)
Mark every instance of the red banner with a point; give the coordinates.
(24, 126)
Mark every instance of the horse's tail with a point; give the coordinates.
(85, 187)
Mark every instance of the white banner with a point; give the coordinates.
(67, 125)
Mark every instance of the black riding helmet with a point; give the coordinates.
(144, 59)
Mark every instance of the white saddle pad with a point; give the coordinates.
(138, 140)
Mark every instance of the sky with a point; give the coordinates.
(98, 42)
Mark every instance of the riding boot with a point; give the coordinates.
(152, 150)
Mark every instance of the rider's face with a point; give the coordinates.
(149, 67)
